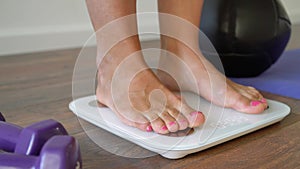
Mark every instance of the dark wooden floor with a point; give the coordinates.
(38, 86)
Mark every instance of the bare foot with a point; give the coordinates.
(145, 103)
(209, 82)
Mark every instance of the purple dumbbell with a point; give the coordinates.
(43, 145)
(28, 141)
(59, 152)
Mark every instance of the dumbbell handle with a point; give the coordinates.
(17, 161)
(60, 152)
(33, 137)
(9, 135)
(29, 140)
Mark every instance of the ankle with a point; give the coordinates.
(176, 46)
(170, 44)
(119, 51)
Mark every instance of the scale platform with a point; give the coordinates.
(221, 125)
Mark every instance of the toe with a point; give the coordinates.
(245, 105)
(143, 126)
(181, 121)
(169, 121)
(159, 126)
(247, 91)
(264, 102)
(195, 118)
(246, 99)
(187, 117)
(254, 94)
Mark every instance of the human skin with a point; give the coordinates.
(145, 109)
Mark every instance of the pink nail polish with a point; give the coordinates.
(255, 103)
(149, 128)
(172, 123)
(263, 100)
(164, 128)
(196, 113)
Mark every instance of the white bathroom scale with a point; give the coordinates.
(220, 126)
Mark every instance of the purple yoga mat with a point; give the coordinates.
(282, 78)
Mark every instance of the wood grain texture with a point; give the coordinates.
(35, 87)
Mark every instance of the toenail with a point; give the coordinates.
(195, 113)
(149, 128)
(255, 103)
(164, 128)
(263, 100)
(172, 123)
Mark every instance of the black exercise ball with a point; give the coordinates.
(249, 35)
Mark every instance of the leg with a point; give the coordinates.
(227, 93)
(138, 113)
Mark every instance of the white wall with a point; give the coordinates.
(293, 9)
(38, 25)
(35, 25)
